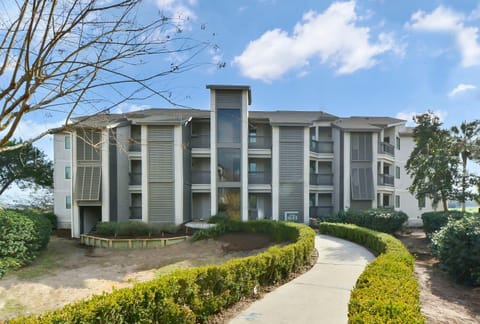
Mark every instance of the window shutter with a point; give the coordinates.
(88, 182)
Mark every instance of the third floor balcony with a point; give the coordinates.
(260, 177)
(321, 146)
(200, 176)
(321, 179)
(386, 148)
(200, 141)
(259, 142)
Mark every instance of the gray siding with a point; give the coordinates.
(228, 99)
(161, 188)
(291, 171)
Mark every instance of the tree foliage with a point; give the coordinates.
(467, 146)
(24, 166)
(81, 57)
(433, 163)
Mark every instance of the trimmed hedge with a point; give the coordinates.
(192, 295)
(134, 228)
(434, 221)
(22, 235)
(457, 246)
(386, 292)
(379, 219)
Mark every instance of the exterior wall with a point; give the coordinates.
(408, 203)
(122, 200)
(62, 187)
(275, 172)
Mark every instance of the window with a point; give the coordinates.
(68, 172)
(68, 143)
(397, 141)
(397, 201)
(397, 172)
(421, 202)
(228, 168)
(252, 167)
(252, 135)
(229, 125)
(68, 202)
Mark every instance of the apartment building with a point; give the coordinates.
(178, 165)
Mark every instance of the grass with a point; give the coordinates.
(45, 263)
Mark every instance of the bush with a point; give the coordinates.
(135, 229)
(220, 218)
(192, 295)
(381, 219)
(22, 236)
(386, 291)
(434, 221)
(457, 246)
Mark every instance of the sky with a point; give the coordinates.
(347, 58)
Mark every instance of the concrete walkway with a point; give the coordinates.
(320, 295)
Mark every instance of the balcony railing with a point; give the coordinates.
(321, 211)
(321, 146)
(201, 177)
(135, 178)
(386, 148)
(321, 179)
(386, 180)
(259, 142)
(135, 147)
(200, 141)
(135, 212)
(259, 177)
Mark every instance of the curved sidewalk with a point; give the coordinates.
(320, 295)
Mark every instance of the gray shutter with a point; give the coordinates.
(229, 99)
(88, 180)
(361, 183)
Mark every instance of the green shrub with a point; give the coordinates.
(433, 221)
(220, 218)
(133, 228)
(386, 291)
(22, 236)
(457, 246)
(192, 295)
(380, 219)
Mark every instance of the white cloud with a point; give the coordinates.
(177, 9)
(332, 36)
(408, 115)
(126, 108)
(449, 21)
(462, 87)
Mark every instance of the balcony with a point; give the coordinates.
(201, 177)
(135, 212)
(259, 142)
(386, 148)
(321, 146)
(386, 180)
(135, 178)
(200, 141)
(321, 211)
(259, 177)
(135, 147)
(321, 179)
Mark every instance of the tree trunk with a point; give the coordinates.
(444, 202)
(9, 182)
(464, 179)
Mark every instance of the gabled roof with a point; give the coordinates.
(367, 124)
(285, 117)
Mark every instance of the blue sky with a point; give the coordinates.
(364, 57)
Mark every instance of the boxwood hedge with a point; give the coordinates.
(192, 295)
(387, 291)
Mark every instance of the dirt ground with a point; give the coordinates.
(67, 271)
(443, 300)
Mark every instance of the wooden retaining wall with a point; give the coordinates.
(129, 243)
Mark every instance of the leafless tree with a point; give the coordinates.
(70, 56)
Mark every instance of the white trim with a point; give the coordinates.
(244, 157)
(178, 172)
(346, 171)
(105, 175)
(144, 155)
(275, 172)
(213, 154)
(306, 174)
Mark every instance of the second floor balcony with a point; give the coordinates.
(259, 177)
(386, 148)
(321, 146)
(259, 142)
(386, 180)
(135, 179)
(321, 179)
(201, 176)
(321, 211)
(200, 141)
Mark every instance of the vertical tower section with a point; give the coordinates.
(229, 150)
(62, 179)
